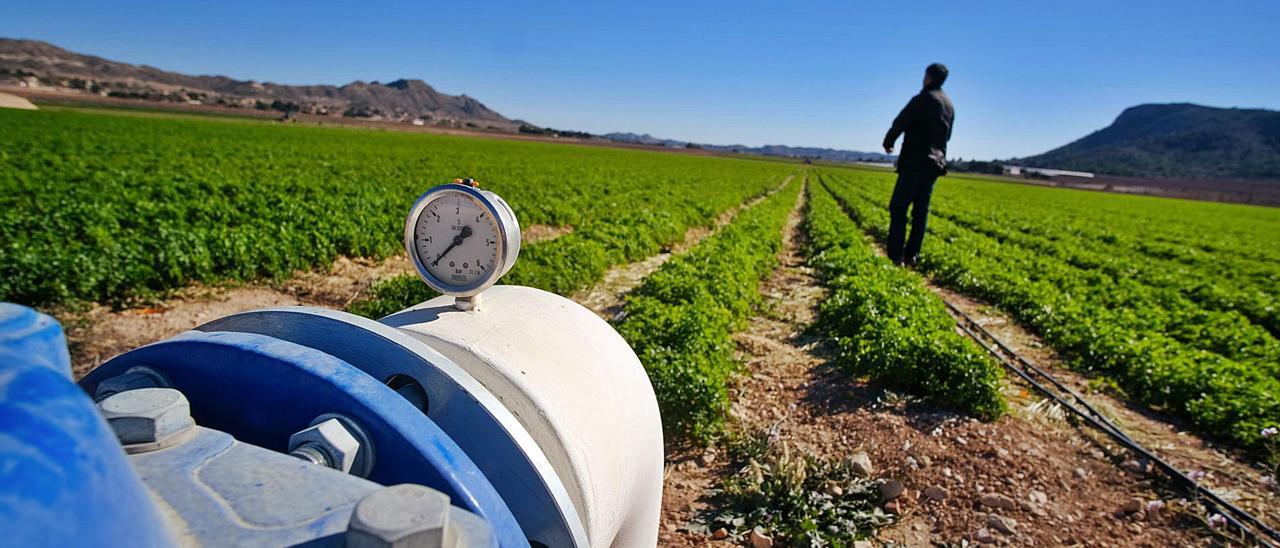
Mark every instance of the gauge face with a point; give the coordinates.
(457, 239)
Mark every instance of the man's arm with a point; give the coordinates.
(908, 116)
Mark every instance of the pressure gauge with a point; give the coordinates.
(461, 239)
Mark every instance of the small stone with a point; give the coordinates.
(935, 493)
(925, 461)
(708, 457)
(835, 490)
(862, 544)
(759, 540)
(1038, 497)
(1004, 525)
(720, 534)
(891, 489)
(861, 464)
(996, 500)
(1081, 473)
(984, 536)
(893, 507)
(1132, 506)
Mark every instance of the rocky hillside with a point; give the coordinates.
(32, 62)
(1176, 140)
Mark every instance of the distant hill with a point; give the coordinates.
(829, 154)
(1176, 140)
(39, 63)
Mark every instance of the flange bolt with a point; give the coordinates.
(147, 418)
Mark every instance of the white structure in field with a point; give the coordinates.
(1018, 171)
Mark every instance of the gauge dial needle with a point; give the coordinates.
(457, 240)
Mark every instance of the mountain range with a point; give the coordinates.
(36, 63)
(39, 63)
(1152, 140)
(1176, 140)
(786, 151)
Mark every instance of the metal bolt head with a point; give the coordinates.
(132, 379)
(331, 437)
(147, 415)
(400, 516)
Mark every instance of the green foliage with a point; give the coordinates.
(393, 295)
(107, 207)
(681, 319)
(1173, 300)
(797, 499)
(888, 325)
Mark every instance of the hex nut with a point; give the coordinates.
(401, 516)
(147, 416)
(132, 379)
(331, 437)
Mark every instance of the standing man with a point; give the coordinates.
(927, 122)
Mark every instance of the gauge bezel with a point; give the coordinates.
(508, 238)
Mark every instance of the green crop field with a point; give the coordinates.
(106, 207)
(1174, 301)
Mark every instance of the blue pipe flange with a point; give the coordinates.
(34, 337)
(64, 478)
(262, 390)
(454, 400)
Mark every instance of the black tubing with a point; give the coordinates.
(1232, 513)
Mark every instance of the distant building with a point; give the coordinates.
(419, 122)
(1019, 171)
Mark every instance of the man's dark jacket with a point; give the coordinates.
(927, 122)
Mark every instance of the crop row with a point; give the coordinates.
(106, 207)
(681, 319)
(1161, 347)
(1114, 282)
(575, 261)
(887, 325)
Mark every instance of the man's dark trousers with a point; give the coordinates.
(913, 190)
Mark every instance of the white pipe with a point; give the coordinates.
(576, 386)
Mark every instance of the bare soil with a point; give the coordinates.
(99, 333)
(1228, 472)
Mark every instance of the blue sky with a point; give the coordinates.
(1026, 76)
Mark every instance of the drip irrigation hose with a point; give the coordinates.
(1027, 364)
(1210, 500)
(1232, 513)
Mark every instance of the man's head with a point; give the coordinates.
(935, 75)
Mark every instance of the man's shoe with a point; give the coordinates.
(913, 261)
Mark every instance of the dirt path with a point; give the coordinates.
(99, 333)
(606, 297)
(1048, 483)
(790, 294)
